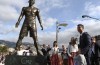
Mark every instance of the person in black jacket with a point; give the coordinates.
(97, 52)
(64, 55)
(48, 55)
(84, 42)
(44, 50)
(93, 62)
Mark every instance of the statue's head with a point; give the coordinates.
(31, 2)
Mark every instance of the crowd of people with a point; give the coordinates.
(87, 52)
(25, 52)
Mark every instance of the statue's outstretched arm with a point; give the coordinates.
(20, 17)
(39, 19)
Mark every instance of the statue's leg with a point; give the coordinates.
(33, 34)
(23, 32)
(19, 42)
(35, 43)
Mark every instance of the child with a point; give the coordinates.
(80, 59)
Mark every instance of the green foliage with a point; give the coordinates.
(3, 48)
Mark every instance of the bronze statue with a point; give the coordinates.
(29, 24)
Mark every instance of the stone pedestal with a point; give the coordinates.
(25, 60)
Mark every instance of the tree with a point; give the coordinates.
(3, 48)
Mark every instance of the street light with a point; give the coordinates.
(58, 28)
(86, 16)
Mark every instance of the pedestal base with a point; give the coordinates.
(25, 60)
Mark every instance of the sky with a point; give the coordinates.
(51, 11)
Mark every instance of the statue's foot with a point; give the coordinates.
(16, 48)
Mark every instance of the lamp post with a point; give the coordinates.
(86, 16)
(58, 28)
(57, 31)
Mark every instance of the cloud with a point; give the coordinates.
(48, 5)
(49, 22)
(14, 3)
(92, 9)
(8, 13)
(9, 9)
(8, 29)
(51, 3)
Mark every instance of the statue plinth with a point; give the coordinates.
(25, 60)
